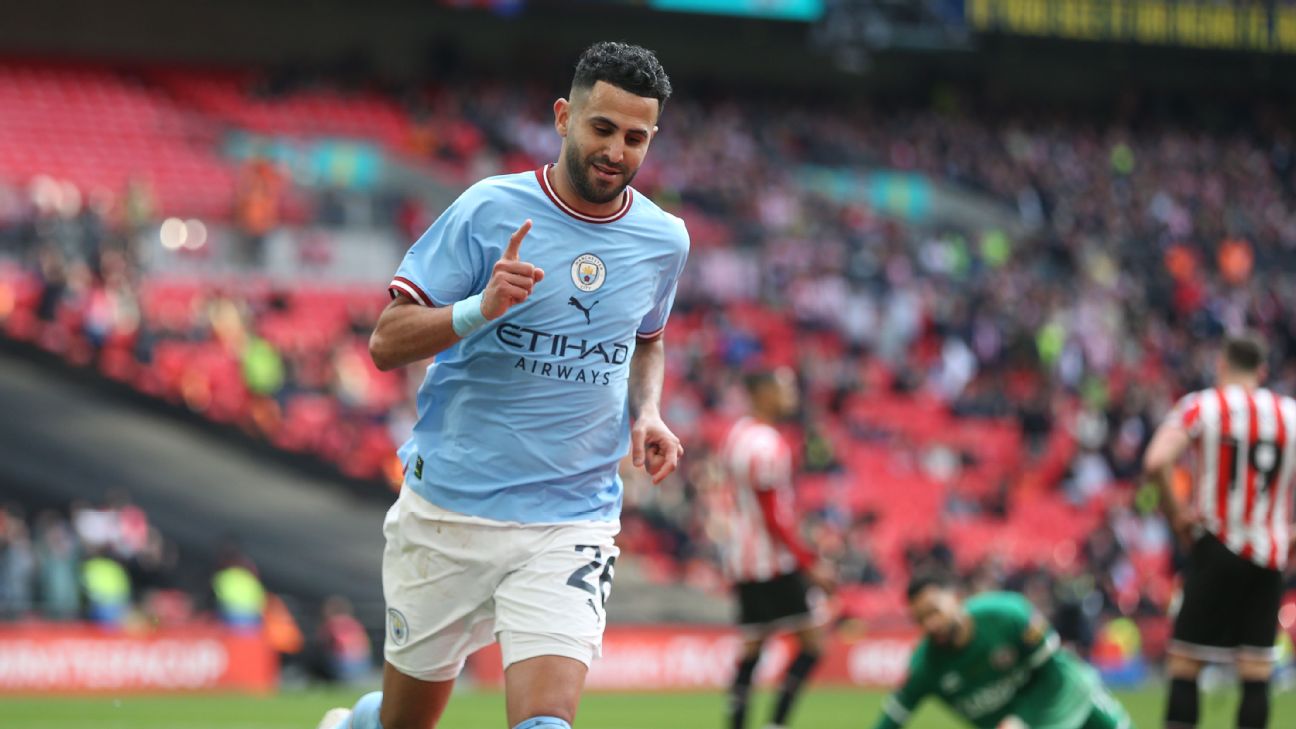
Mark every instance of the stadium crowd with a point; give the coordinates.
(1065, 345)
(105, 563)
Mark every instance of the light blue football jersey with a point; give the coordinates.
(526, 419)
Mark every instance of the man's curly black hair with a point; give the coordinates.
(922, 581)
(626, 66)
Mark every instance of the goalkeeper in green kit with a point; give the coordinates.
(995, 661)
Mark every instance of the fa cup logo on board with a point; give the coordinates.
(588, 272)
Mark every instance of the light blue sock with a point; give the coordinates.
(542, 722)
(365, 713)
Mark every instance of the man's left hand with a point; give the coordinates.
(654, 447)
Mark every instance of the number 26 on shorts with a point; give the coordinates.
(578, 578)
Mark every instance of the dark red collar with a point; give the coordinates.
(542, 177)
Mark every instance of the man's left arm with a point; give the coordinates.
(652, 444)
(1040, 642)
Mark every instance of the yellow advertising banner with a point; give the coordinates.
(1189, 23)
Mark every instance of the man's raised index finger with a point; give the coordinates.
(515, 242)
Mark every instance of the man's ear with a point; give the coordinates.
(562, 116)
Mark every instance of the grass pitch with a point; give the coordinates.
(819, 709)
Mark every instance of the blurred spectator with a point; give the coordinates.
(107, 590)
(17, 565)
(345, 645)
(239, 595)
(155, 573)
(59, 577)
(58, 557)
(281, 629)
(132, 525)
(155, 566)
(97, 527)
(258, 199)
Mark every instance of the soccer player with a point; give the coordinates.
(771, 569)
(504, 530)
(995, 661)
(1236, 528)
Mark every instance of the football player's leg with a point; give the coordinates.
(1182, 702)
(549, 618)
(740, 689)
(403, 702)
(811, 641)
(407, 703)
(428, 636)
(1254, 669)
(1257, 625)
(543, 692)
(1203, 629)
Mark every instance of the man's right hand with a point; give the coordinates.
(512, 280)
(824, 576)
(1187, 525)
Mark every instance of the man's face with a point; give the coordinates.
(779, 397)
(606, 131)
(936, 610)
(788, 393)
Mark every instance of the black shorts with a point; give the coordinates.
(778, 603)
(1230, 605)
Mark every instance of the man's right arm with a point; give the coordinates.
(897, 707)
(1168, 445)
(408, 331)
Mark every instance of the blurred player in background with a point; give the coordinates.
(995, 661)
(771, 569)
(1235, 528)
(546, 354)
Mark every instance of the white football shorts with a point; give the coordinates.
(454, 583)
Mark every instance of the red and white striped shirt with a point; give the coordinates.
(1246, 457)
(760, 541)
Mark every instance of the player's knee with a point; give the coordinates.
(547, 721)
(1180, 666)
(811, 640)
(1254, 669)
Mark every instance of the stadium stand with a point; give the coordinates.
(948, 372)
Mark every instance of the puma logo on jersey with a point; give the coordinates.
(573, 301)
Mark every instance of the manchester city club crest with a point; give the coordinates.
(588, 272)
(397, 626)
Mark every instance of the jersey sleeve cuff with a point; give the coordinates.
(651, 336)
(895, 710)
(1045, 651)
(402, 285)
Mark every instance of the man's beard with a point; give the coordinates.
(578, 173)
(947, 636)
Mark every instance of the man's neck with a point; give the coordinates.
(1246, 382)
(560, 181)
